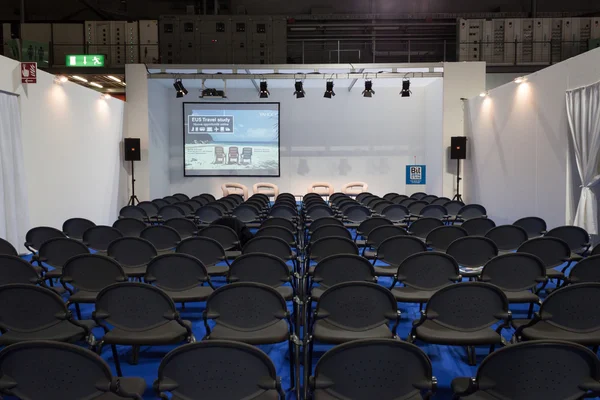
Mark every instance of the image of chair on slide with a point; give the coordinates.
(246, 155)
(233, 156)
(219, 155)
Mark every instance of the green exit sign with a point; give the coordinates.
(85, 60)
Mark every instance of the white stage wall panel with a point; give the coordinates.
(158, 117)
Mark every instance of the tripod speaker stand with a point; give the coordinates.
(132, 153)
(458, 151)
(457, 196)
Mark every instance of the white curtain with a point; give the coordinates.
(14, 211)
(583, 110)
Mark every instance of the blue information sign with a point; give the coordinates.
(415, 174)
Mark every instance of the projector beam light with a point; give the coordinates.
(299, 90)
(368, 92)
(264, 91)
(329, 93)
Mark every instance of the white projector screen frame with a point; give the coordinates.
(230, 172)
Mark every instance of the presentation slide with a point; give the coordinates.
(231, 139)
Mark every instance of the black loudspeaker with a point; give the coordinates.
(132, 149)
(458, 147)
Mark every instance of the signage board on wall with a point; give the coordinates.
(84, 60)
(415, 174)
(28, 72)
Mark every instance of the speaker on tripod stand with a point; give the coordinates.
(132, 153)
(458, 151)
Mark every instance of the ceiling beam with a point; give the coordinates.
(355, 75)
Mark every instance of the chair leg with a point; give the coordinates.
(78, 311)
(471, 355)
(492, 348)
(530, 312)
(135, 354)
(291, 350)
(183, 306)
(116, 358)
(308, 347)
(595, 349)
(420, 306)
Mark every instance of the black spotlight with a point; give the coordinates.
(329, 90)
(264, 92)
(181, 91)
(405, 92)
(299, 90)
(368, 92)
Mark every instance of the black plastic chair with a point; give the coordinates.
(218, 370)
(55, 253)
(181, 276)
(340, 268)
(181, 196)
(418, 195)
(187, 209)
(184, 227)
(471, 211)
(569, 313)
(356, 214)
(38, 235)
(247, 213)
(517, 274)
(99, 237)
(282, 222)
(586, 270)
(263, 268)
(136, 314)
(462, 315)
(387, 196)
(368, 225)
(381, 205)
(271, 245)
(194, 204)
(422, 275)
(330, 231)
(535, 226)
(554, 252)
(429, 198)
(133, 254)
(399, 198)
(208, 214)
(316, 224)
(129, 226)
(208, 251)
(416, 207)
(329, 246)
(577, 238)
(440, 201)
(222, 234)
(534, 370)
(394, 251)
(278, 232)
(283, 211)
(507, 237)
(440, 238)
(478, 226)
(150, 208)
(434, 211)
(378, 236)
(57, 371)
(318, 211)
(164, 239)
(453, 207)
(472, 253)
(7, 249)
(373, 369)
(133, 212)
(171, 199)
(75, 227)
(361, 196)
(421, 227)
(31, 312)
(14, 269)
(595, 250)
(85, 275)
(171, 211)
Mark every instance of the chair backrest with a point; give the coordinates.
(99, 237)
(317, 223)
(233, 151)
(321, 188)
(133, 212)
(131, 251)
(357, 213)
(478, 226)
(440, 201)
(171, 199)
(247, 152)
(29, 308)
(421, 227)
(181, 196)
(514, 271)
(7, 249)
(595, 250)
(373, 369)
(434, 211)
(276, 221)
(219, 150)
(234, 187)
(382, 233)
(74, 227)
(279, 232)
(354, 188)
(57, 251)
(470, 211)
(194, 204)
(330, 246)
(246, 306)
(548, 369)
(269, 245)
(440, 238)
(14, 269)
(129, 226)
(429, 198)
(225, 235)
(149, 207)
(453, 207)
(55, 371)
(38, 235)
(368, 225)
(357, 306)
(134, 306)
(577, 238)
(92, 272)
(270, 189)
(162, 237)
(395, 212)
(219, 370)
(283, 211)
(184, 227)
(176, 272)
(329, 231)
(428, 270)
(586, 270)
(341, 268)
(418, 195)
(396, 249)
(535, 226)
(387, 196)
(416, 207)
(319, 211)
(468, 306)
(208, 214)
(160, 203)
(171, 211)
(363, 195)
(472, 251)
(381, 205)
(573, 308)
(202, 199)
(259, 268)
(246, 213)
(399, 198)
(552, 251)
(507, 237)
(207, 250)
(187, 208)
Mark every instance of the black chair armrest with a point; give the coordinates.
(320, 382)
(426, 384)
(455, 278)
(321, 314)
(115, 387)
(267, 383)
(7, 383)
(505, 315)
(590, 384)
(484, 279)
(463, 386)
(541, 279)
(149, 278)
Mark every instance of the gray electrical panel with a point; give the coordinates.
(169, 39)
